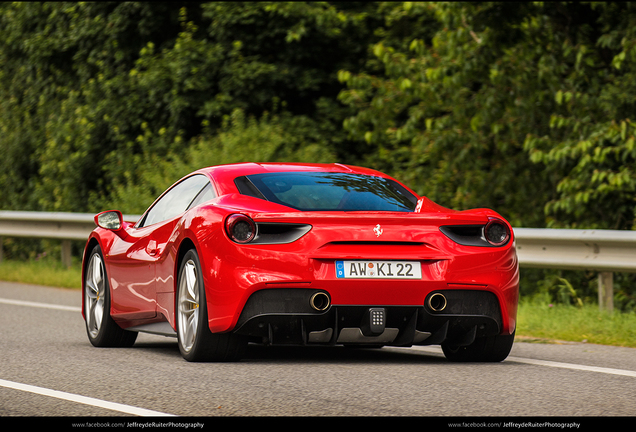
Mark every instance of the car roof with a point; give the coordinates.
(248, 168)
(224, 175)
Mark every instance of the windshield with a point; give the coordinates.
(328, 191)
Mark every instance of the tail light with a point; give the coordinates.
(240, 228)
(497, 232)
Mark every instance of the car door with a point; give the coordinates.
(133, 262)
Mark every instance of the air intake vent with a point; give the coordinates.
(279, 233)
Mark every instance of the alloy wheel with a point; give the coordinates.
(95, 295)
(188, 306)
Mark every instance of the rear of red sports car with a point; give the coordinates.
(338, 257)
(302, 254)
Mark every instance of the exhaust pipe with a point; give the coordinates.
(319, 301)
(437, 302)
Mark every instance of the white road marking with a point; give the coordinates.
(434, 350)
(127, 409)
(40, 305)
(548, 363)
(572, 366)
(113, 406)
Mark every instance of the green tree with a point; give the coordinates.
(240, 139)
(54, 142)
(509, 106)
(90, 90)
(591, 132)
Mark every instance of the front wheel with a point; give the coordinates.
(102, 330)
(196, 341)
(483, 349)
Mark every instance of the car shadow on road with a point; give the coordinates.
(256, 353)
(338, 354)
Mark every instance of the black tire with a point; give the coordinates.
(101, 329)
(196, 342)
(483, 349)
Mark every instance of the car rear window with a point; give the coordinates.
(315, 191)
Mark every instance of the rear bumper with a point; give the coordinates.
(237, 277)
(286, 317)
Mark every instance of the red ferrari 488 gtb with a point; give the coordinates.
(301, 254)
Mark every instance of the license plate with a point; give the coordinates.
(378, 269)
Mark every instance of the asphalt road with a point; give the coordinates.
(48, 368)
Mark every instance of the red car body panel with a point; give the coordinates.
(142, 262)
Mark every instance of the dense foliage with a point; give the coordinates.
(522, 107)
(527, 108)
(90, 93)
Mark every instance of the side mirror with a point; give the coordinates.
(111, 220)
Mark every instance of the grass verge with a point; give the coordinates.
(46, 272)
(537, 320)
(576, 324)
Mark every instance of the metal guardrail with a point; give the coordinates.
(49, 225)
(601, 250)
(605, 251)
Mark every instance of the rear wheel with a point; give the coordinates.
(483, 349)
(196, 341)
(102, 330)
